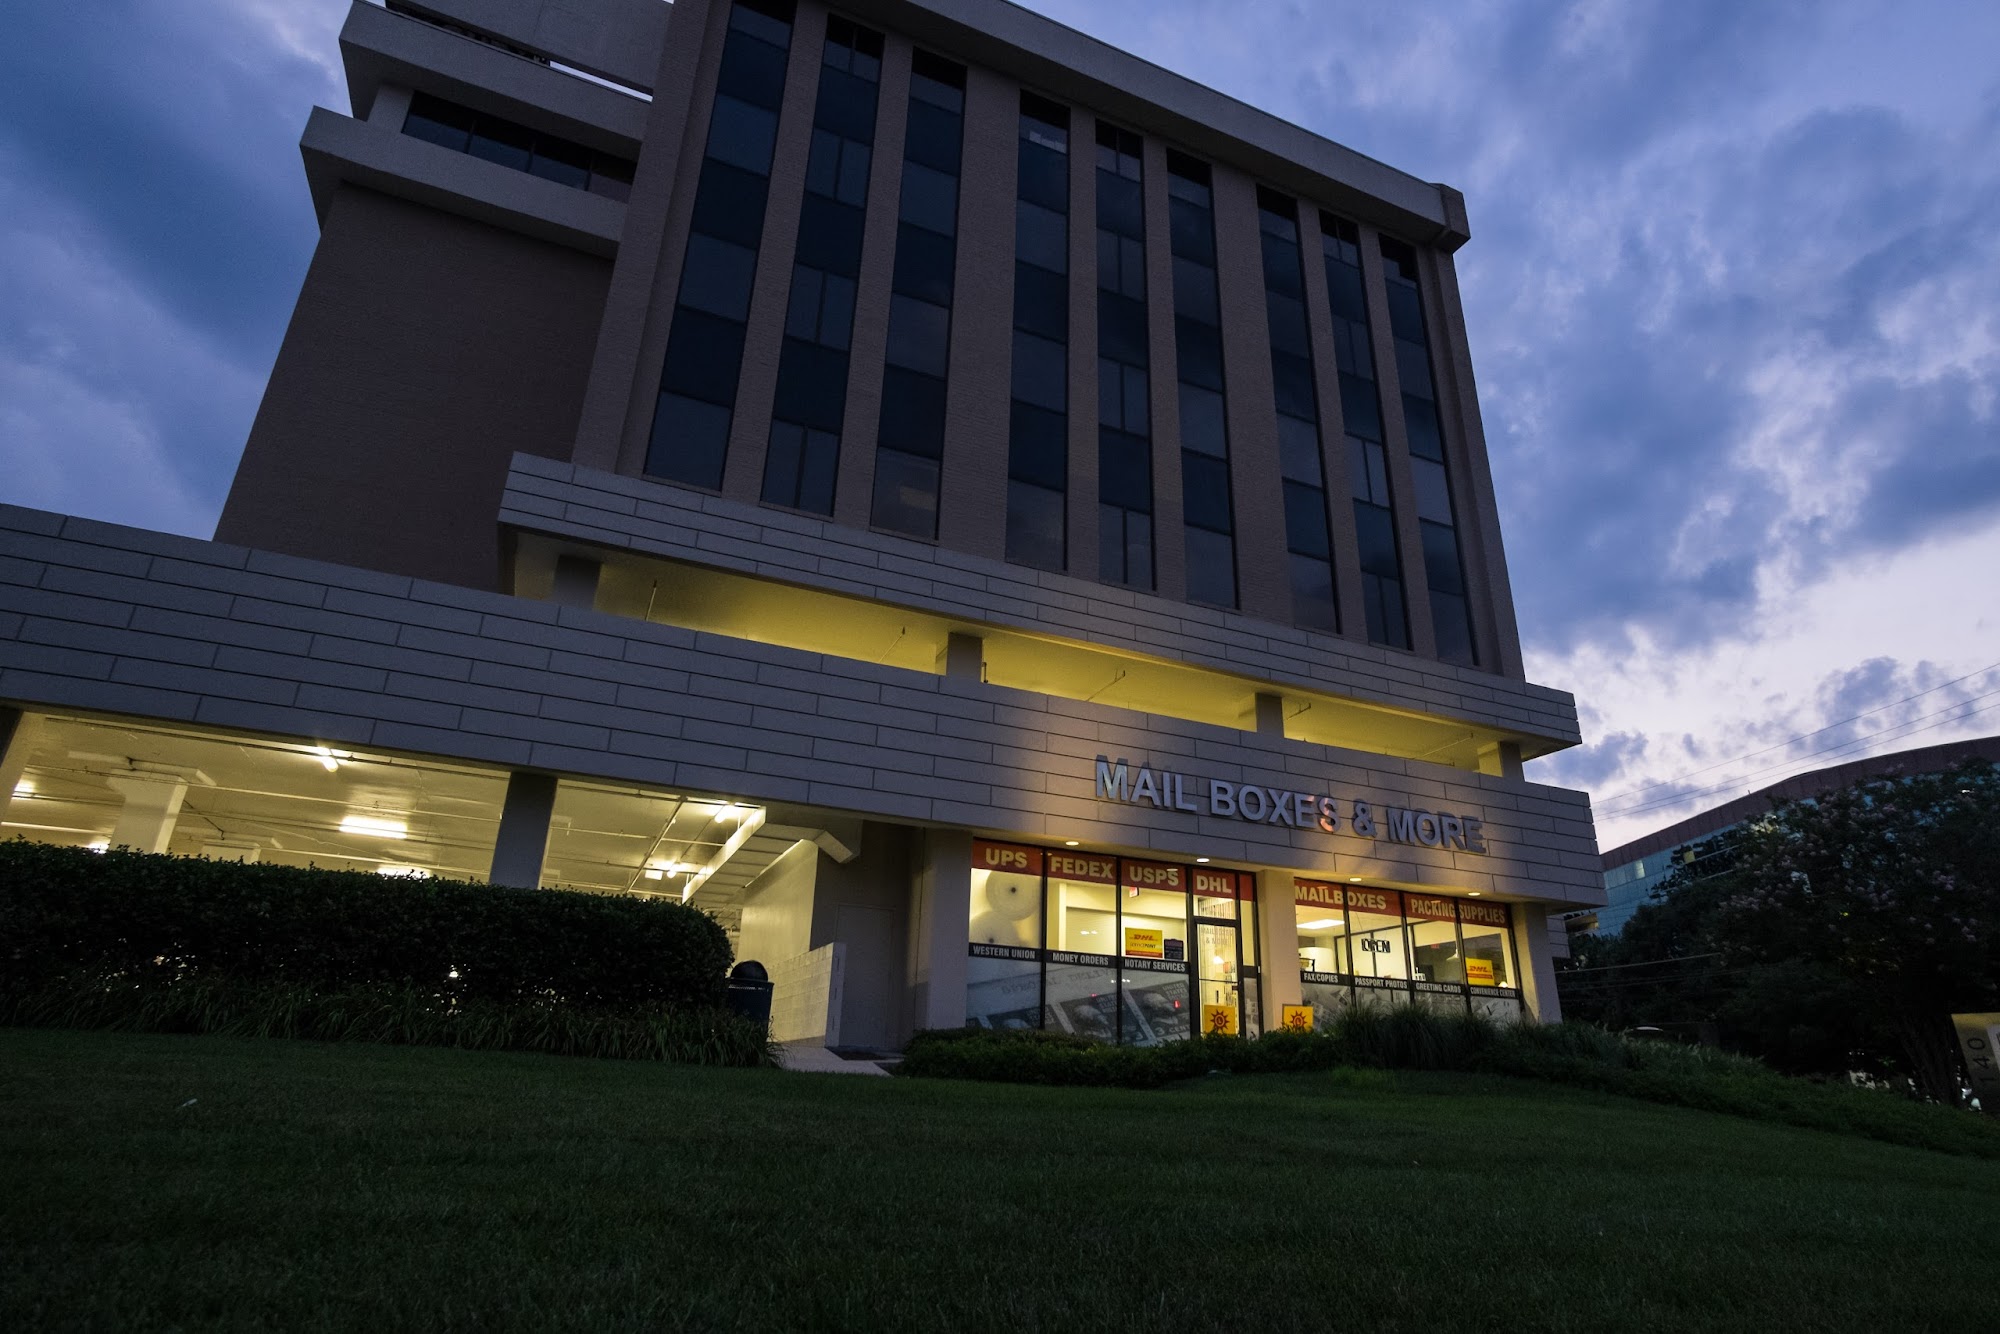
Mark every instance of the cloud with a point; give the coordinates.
(154, 229)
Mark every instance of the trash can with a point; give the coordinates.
(749, 993)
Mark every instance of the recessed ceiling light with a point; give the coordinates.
(1069, 842)
(1201, 859)
(24, 788)
(1472, 893)
(99, 845)
(374, 826)
(327, 759)
(1354, 880)
(1320, 925)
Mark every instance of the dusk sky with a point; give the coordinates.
(1733, 295)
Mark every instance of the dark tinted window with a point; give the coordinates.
(1035, 517)
(1038, 446)
(1305, 520)
(812, 385)
(1041, 371)
(1441, 559)
(1124, 469)
(742, 135)
(753, 72)
(913, 412)
(1041, 237)
(439, 122)
(1312, 593)
(1205, 490)
(1200, 350)
(690, 440)
(931, 136)
(930, 198)
(906, 494)
(1041, 301)
(1121, 328)
(704, 354)
(924, 264)
(1292, 378)
(1211, 568)
(830, 235)
(919, 335)
(717, 277)
(729, 203)
(1045, 177)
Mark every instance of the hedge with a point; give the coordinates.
(150, 920)
(1408, 1038)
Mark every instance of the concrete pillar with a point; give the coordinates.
(390, 109)
(1538, 973)
(523, 840)
(1270, 714)
(16, 740)
(152, 805)
(963, 657)
(576, 582)
(1277, 943)
(940, 913)
(1502, 759)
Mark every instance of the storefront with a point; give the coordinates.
(1114, 948)
(1367, 948)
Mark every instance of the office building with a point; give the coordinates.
(1004, 527)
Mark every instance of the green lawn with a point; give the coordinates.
(160, 1182)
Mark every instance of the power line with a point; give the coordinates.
(1619, 797)
(1895, 732)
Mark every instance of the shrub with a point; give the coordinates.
(1408, 1038)
(146, 919)
(399, 1016)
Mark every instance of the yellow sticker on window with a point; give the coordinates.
(1219, 1019)
(1298, 1018)
(1145, 942)
(1479, 972)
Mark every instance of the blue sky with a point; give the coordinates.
(1733, 294)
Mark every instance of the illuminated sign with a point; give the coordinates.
(1299, 809)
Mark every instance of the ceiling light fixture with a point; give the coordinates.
(1472, 893)
(24, 788)
(327, 759)
(1354, 880)
(1069, 842)
(374, 826)
(1321, 924)
(1201, 859)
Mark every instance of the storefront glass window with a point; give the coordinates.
(1326, 959)
(1153, 936)
(1438, 970)
(1379, 947)
(1004, 974)
(1486, 929)
(1082, 978)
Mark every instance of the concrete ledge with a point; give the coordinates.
(339, 150)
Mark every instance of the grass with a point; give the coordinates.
(153, 1182)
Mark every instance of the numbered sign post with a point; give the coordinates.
(1979, 1039)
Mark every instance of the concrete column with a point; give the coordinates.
(523, 841)
(1538, 973)
(1502, 759)
(940, 910)
(1277, 943)
(16, 741)
(576, 581)
(1270, 714)
(963, 657)
(391, 108)
(152, 805)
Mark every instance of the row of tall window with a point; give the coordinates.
(1038, 418)
(1367, 456)
(909, 451)
(1209, 527)
(811, 398)
(1308, 541)
(697, 403)
(705, 345)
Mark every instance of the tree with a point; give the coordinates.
(1891, 888)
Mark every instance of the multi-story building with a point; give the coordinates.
(1004, 527)
(1634, 871)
